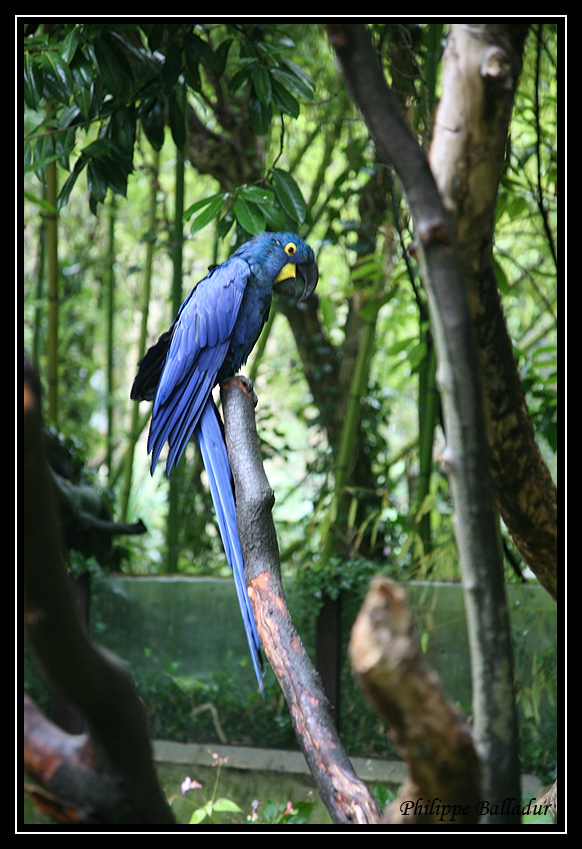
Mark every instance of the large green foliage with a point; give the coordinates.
(117, 79)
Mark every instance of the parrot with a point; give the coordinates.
(214, 332)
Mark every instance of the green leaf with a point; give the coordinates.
(199, 816)
(401, 345)
(275, 217)
(172, 66)
(292, 82)
(57, 78)
(32, 81)
(113, 67)
(500, 277)
(100, 147)
(301, 74)
(223, 804)
(192, 58)
(192, 75)
(225, 225)
(70, 182)
(257, 194)
(540, 353)
(96, 180)
(177, 124)
(285, 100)
(64, 146)
(41, 202)
(237, 80)
(83, 98)
(261, 84)
(69, 43)
(122, 131)
(68, 117)
(89, 155)
(199, 204)
(302, 810)
(40, 164)
(368, 269)
(383, 795)
(500, 205)
(152, 120)
(213, 206)
(259, 115)
(210, 59)
(289, 195)
(27, 157)
(221, 54)
(265, 200)
(44, 147)
(248, 215)
(550, 431)
(83, 71)
(270, 811)
(516, 206)
(155, 35)
(115, 173)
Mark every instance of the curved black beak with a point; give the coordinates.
(288, 286)
(310, 273)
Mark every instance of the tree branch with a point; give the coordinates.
(224, 157)
(347, 799)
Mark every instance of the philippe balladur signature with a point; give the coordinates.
(449, 813)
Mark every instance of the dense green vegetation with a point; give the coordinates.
(98, 95)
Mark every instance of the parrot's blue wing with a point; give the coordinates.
(200, 338)
(213, 450)
(198, 346)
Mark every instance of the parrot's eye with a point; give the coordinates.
(290, 249)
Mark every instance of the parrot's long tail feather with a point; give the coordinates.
(211, 441)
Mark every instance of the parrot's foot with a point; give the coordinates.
(244, 383)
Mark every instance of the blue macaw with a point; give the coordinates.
(212, 336)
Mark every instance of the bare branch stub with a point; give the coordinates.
(428, 731)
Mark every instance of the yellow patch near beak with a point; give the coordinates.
(289, 270)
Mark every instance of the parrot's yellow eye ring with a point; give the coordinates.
(290, 248)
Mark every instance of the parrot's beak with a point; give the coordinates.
(310, 273)
(286, 282)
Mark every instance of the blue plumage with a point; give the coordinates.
(212, 336)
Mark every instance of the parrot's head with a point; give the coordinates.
(292, 255)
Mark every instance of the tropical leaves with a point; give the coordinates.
(252, 207)
(131, 78)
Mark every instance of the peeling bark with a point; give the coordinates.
(346, 797)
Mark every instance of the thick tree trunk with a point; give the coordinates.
(481, 68)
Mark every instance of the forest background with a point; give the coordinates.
(140, 134)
